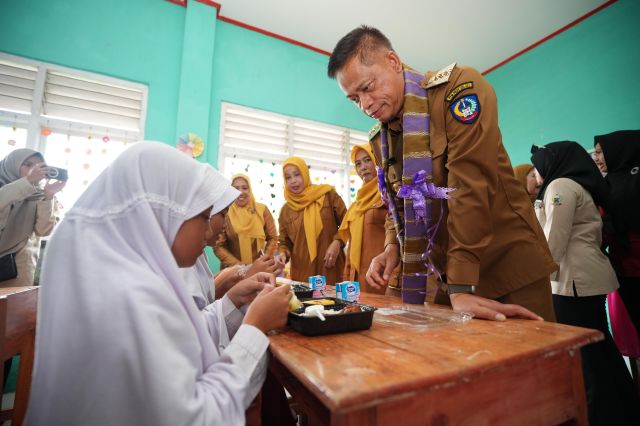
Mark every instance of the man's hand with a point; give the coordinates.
(332, 254)
(246, 290)
(488, 309)
(382, 266)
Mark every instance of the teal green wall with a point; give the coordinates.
(262, 72)
(189, 68)
(581, 83)
(135, 40)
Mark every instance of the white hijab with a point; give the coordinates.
(120, 340)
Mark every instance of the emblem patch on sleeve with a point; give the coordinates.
(556, 201)
(466, 109)
(459, 88)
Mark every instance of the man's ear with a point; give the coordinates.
(394, 60)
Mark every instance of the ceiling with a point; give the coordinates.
(427, 34)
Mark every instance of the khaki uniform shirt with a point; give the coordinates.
(27, 254)
(489, 236)
(573, 227)
(293, 241)
(227, 247)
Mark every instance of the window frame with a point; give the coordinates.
(35, 120)
(349, 138)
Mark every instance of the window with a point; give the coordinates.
(255, 143)
(79, 121)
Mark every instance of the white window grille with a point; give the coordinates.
(78, 120)
(256, 142)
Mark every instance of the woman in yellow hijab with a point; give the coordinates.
(525, 175)
(309, 225)
(249, 228)
(364, 221)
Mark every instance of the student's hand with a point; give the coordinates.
(53, 187)
(489, 309)
(282, 259)
(332, 254)
(382, 266)
(262, 264)
(269, 310)
(280, 263)
(246, 290)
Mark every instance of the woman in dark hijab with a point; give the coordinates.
(618, 155)
(571, 190)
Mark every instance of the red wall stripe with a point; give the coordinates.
(274, 35)
(550, 36)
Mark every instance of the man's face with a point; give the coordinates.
(378, 88)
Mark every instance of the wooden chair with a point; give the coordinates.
(18, 312)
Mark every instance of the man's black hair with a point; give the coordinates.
(360, 41)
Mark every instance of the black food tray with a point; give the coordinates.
(340, 323)
(302, 292)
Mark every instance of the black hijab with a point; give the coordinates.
(569, 160)
(621, 151)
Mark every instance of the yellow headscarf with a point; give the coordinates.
(353, 222)
(521, 173)
(310, 199)
(248, 222)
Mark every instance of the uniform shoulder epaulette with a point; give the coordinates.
(374, 131)
(439, 77)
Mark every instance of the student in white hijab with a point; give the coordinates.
(120, 340)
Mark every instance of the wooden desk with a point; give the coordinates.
(474, 373)
(18, 312)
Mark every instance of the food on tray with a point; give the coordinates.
(294, 302)
(350, 308)
(324, 302)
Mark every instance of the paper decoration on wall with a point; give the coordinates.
(86, 166)
(191, 144)
(45, 131)
(11, 142)
(105, 139)
(88, 152)
(67, 150)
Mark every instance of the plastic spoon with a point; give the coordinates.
(316, 310)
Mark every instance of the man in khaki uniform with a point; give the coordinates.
(489, 245)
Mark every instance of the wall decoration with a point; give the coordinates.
(191, 144)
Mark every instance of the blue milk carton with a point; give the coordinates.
(348, 290)
(318, 283)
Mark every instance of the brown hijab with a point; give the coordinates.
(521, 173)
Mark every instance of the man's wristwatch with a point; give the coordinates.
(460, 288)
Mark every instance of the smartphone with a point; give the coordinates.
(57, 173)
